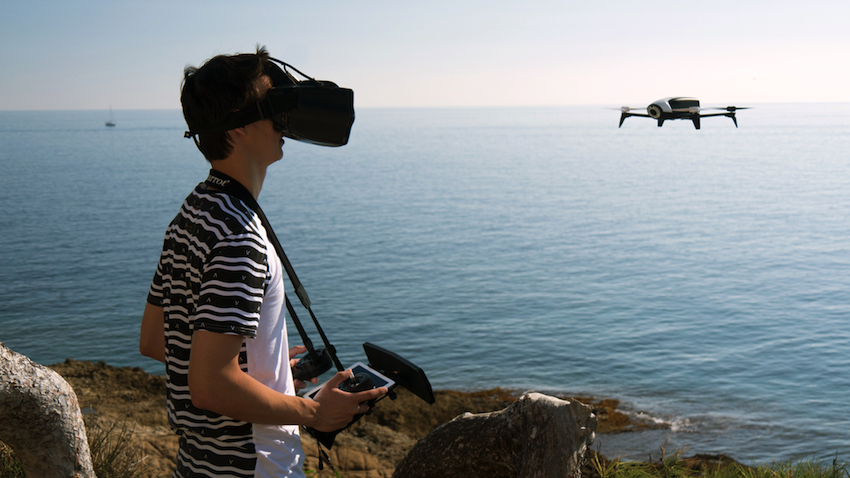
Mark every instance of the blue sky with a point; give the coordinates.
(89, 54)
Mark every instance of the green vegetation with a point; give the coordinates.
(10, 465)
(674, 466)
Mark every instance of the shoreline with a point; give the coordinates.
(135, 399)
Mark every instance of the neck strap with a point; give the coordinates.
(219, 180)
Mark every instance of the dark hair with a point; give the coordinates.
(225, 83)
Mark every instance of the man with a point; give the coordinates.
(214, 311)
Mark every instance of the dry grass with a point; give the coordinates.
(113, 452)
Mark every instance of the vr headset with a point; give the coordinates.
(312, 111)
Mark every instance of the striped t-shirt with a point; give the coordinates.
(219, 272)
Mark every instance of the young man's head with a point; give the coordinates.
(225, 83)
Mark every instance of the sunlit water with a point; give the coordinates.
(699, 276)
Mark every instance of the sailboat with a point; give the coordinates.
(111, 120)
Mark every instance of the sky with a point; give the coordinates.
(93, 54)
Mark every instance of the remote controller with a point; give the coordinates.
(306, 369)
(365, 378)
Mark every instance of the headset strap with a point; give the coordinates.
(265, 108)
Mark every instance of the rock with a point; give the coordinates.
(40, 419)
(538, 436)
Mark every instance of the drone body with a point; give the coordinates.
(677, 108)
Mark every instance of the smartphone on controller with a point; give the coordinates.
(360, 369)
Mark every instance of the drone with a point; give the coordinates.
(677, 108)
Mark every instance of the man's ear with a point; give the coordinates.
(237, 135)
(237, 131)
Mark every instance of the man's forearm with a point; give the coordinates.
(217, 384)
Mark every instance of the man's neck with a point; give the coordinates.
(249, 175)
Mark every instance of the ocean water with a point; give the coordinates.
(701, 277)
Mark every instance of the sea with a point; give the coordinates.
(701, 277)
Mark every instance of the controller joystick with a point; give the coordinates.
(359, 383)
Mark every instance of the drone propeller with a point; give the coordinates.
(626, 109)
(731, 108)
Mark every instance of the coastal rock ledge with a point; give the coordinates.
(134, 402)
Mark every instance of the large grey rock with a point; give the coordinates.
(40, 419)
(538, 436)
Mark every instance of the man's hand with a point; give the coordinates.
(298, 349)
(337, 408)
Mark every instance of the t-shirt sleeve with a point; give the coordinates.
(155, 295)
(232, 287)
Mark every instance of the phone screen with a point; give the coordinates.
(378, 379)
